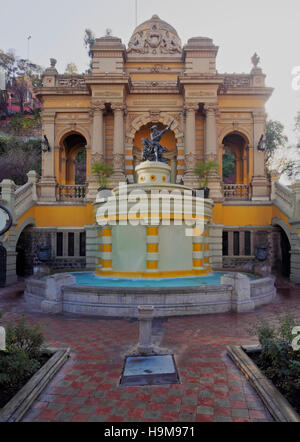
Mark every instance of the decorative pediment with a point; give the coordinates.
(154, 38)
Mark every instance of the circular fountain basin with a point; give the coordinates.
(88, 294)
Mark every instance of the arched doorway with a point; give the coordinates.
(3, 256)
(285, 246)
(235, 159)
(25, 253)
(168, 140)
(72, 163)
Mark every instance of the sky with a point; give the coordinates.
(239, 27)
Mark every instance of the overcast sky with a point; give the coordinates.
(238, 27)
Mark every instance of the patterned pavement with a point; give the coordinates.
(87, 388)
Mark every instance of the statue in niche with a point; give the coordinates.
(153, 151)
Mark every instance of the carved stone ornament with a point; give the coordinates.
(255, 60)
(97, 106)
(118, 162)
(97, 158)
(190, 161)
(155, 37)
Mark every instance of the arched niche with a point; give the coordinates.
(72, 153)
(236, 149)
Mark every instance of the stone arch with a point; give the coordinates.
(279, 222)
(27, 222)
(66, 167)
(143, 120)
(63, 133)
(282, 257)
(243, 132)
(24, 249)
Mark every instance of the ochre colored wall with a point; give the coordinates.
(109, 138)
(168, 140)
(247, 215)
(60, 216)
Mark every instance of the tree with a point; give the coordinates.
(275, 138)
(71, 69)
(18, 157)
(229, 164)
(89, 39)
(281, 156)
(21, 75)
(103, 172)
(203, 170)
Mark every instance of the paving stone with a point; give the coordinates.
(239, 412)
(203, 409)
(87, 389)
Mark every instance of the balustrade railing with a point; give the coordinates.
(236, 192)
(75, 193)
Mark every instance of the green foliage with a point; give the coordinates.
(15, 369)
(71, 69)
(103, 171)
(20, 125)
(277, 359)
(275, 138)
(21, 337)
(22, 357)
(228, 164)
(203, 170)
(18, 157)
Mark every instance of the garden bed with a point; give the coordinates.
(275, 402)
(17, 406)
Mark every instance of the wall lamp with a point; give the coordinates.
(262, 144)
(45, 145)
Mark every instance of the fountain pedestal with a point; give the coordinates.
(146, 315)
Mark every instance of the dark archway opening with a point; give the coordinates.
(25, 256)
(285, 254)
(73, 159)
(3, 256)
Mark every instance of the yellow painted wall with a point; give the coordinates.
(60, 216)
(65, 101)
(241, 101)
(247, 215)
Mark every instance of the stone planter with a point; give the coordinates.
(280, 409)
(15, 409)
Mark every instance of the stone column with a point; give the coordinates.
(119, 147)
(260, 188)
(48, 181)
(98, 133)
(211, 150)
(97, 147)
(190, 179)
(210, 132)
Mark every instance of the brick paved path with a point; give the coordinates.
(212, 389)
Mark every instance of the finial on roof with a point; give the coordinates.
(53, 62)
(108, 32)
(255, 60)
(155, 16)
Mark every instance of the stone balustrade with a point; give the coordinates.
(73, 193)
(236, 192)
(284, 198)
